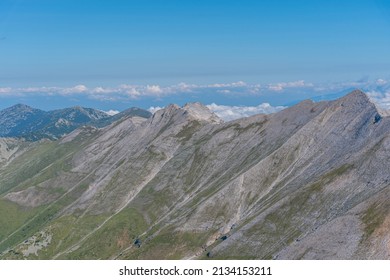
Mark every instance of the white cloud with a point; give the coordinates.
(277, 87)
(289, 85)
(382, 99)
(379, 87)
(381, 82)
(128, 91)
(229, 113)
(224, 91)
(75, 90)
(183, 87)
(154, 89)
(229, 85)
(111, 112)
(154, 109)
(101, 90)
(5, 91)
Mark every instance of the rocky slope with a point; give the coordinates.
(10, 148)
(309, 182)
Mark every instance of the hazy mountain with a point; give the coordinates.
(33, 124)
(17, 120)
(308, 182)
(131, 112)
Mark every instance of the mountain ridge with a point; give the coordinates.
(23, 121)
(308, 182)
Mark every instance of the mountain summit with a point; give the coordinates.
(18, 118)
(200, 112)
(308, 182)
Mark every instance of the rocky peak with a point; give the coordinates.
(356, 98)
(164, 115)
(19, 109)
(23, 107)
(201, 112)
(190, 111)
(17, 116)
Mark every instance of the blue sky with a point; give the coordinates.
(49, 47)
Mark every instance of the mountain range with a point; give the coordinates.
(34, 124)
(308, 182)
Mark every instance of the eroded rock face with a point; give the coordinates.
(10, 148)
(308, 182)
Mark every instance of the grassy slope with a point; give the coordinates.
(35, 166)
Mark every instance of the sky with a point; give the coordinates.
(148, 53)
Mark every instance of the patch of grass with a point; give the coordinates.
(188, 130)
(64, 231)
(373, 218)
(22, 171)
(170, 244)
(12, 217)
(336, 172)
(68, 230)
(34, 224)
(251, 126)
(42, 218)
(154, 154)
(117, 234)
(196, 168)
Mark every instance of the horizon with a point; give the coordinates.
(227, 113)
(149, 54)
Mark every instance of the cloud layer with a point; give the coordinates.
(228, 113)
(378, 90)
(125, 91)
(111, 112)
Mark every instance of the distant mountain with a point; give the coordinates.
(34, 124)
(309, 182)
(131, 112)
(20, 120)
